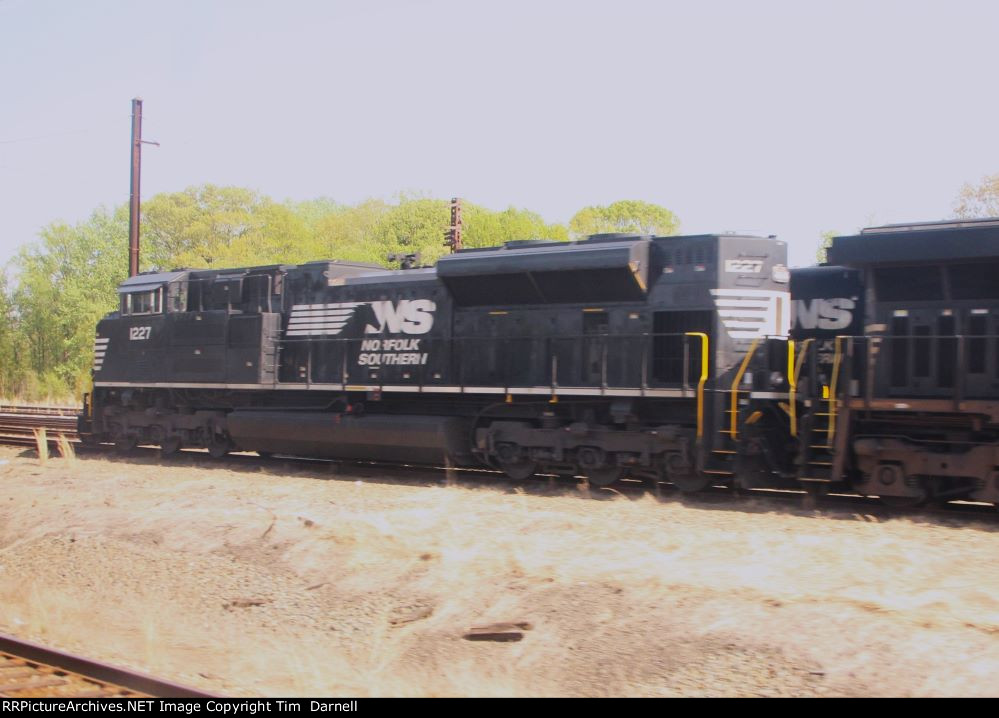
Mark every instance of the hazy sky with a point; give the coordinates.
(787, 118)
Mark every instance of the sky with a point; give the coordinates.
(786, 118)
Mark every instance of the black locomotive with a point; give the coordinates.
(892, 370)
(670, 358)
(603, 356)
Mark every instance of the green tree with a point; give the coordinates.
(347, 232)
(485, 228)
(65, 284)
(981, 200)
(199, 227)
(10, 368)
(625, 216)
(413, 225)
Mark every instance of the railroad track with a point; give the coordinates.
(18, 423)
(33, 410)
(28, 670)
(17, 427)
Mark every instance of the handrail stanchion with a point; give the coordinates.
(792, 385)
(645, 362)
(740, 372)
(554, 398)
(685, 379)
(345, 350)
(603, 367)
(870, 369)
(794, 372)
(833, 389)
(507, 397)
(960, 373)
(851, 364)
(700, 383)
(461, 367)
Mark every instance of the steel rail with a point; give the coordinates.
(30, 670)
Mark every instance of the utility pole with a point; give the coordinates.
(453, 233)
(133, 197)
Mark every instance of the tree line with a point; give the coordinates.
(55, 290)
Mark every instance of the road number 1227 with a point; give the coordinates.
(139, 332)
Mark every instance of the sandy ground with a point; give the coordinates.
(289, 581)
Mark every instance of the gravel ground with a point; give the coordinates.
(278, 580)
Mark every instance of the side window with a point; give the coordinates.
(142, 302)
(178, 297)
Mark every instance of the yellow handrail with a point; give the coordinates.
(734, 431)
(837, 356)
(793, 372)
(700, 383)
(792, 385)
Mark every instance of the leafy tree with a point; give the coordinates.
(347, 232)
(484, 227)
(414, 225)
(10, 370)
(274, 234)
(198, 227)
(314, 211)
(65, 284)
(981, 200)
(625, 216)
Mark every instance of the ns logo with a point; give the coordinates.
(408, 316)
(825, 314)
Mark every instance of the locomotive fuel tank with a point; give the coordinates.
(415, 439)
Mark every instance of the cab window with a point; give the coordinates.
(142, 302)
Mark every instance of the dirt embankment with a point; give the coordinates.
(285, 581)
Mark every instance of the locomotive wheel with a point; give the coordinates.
(887, 474)
(598, 466)
(682, 475)
(605, 476)
(219, 448)
(170, 445)
(519, 470)
(514, 462)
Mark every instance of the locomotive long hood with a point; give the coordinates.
(549, 273)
